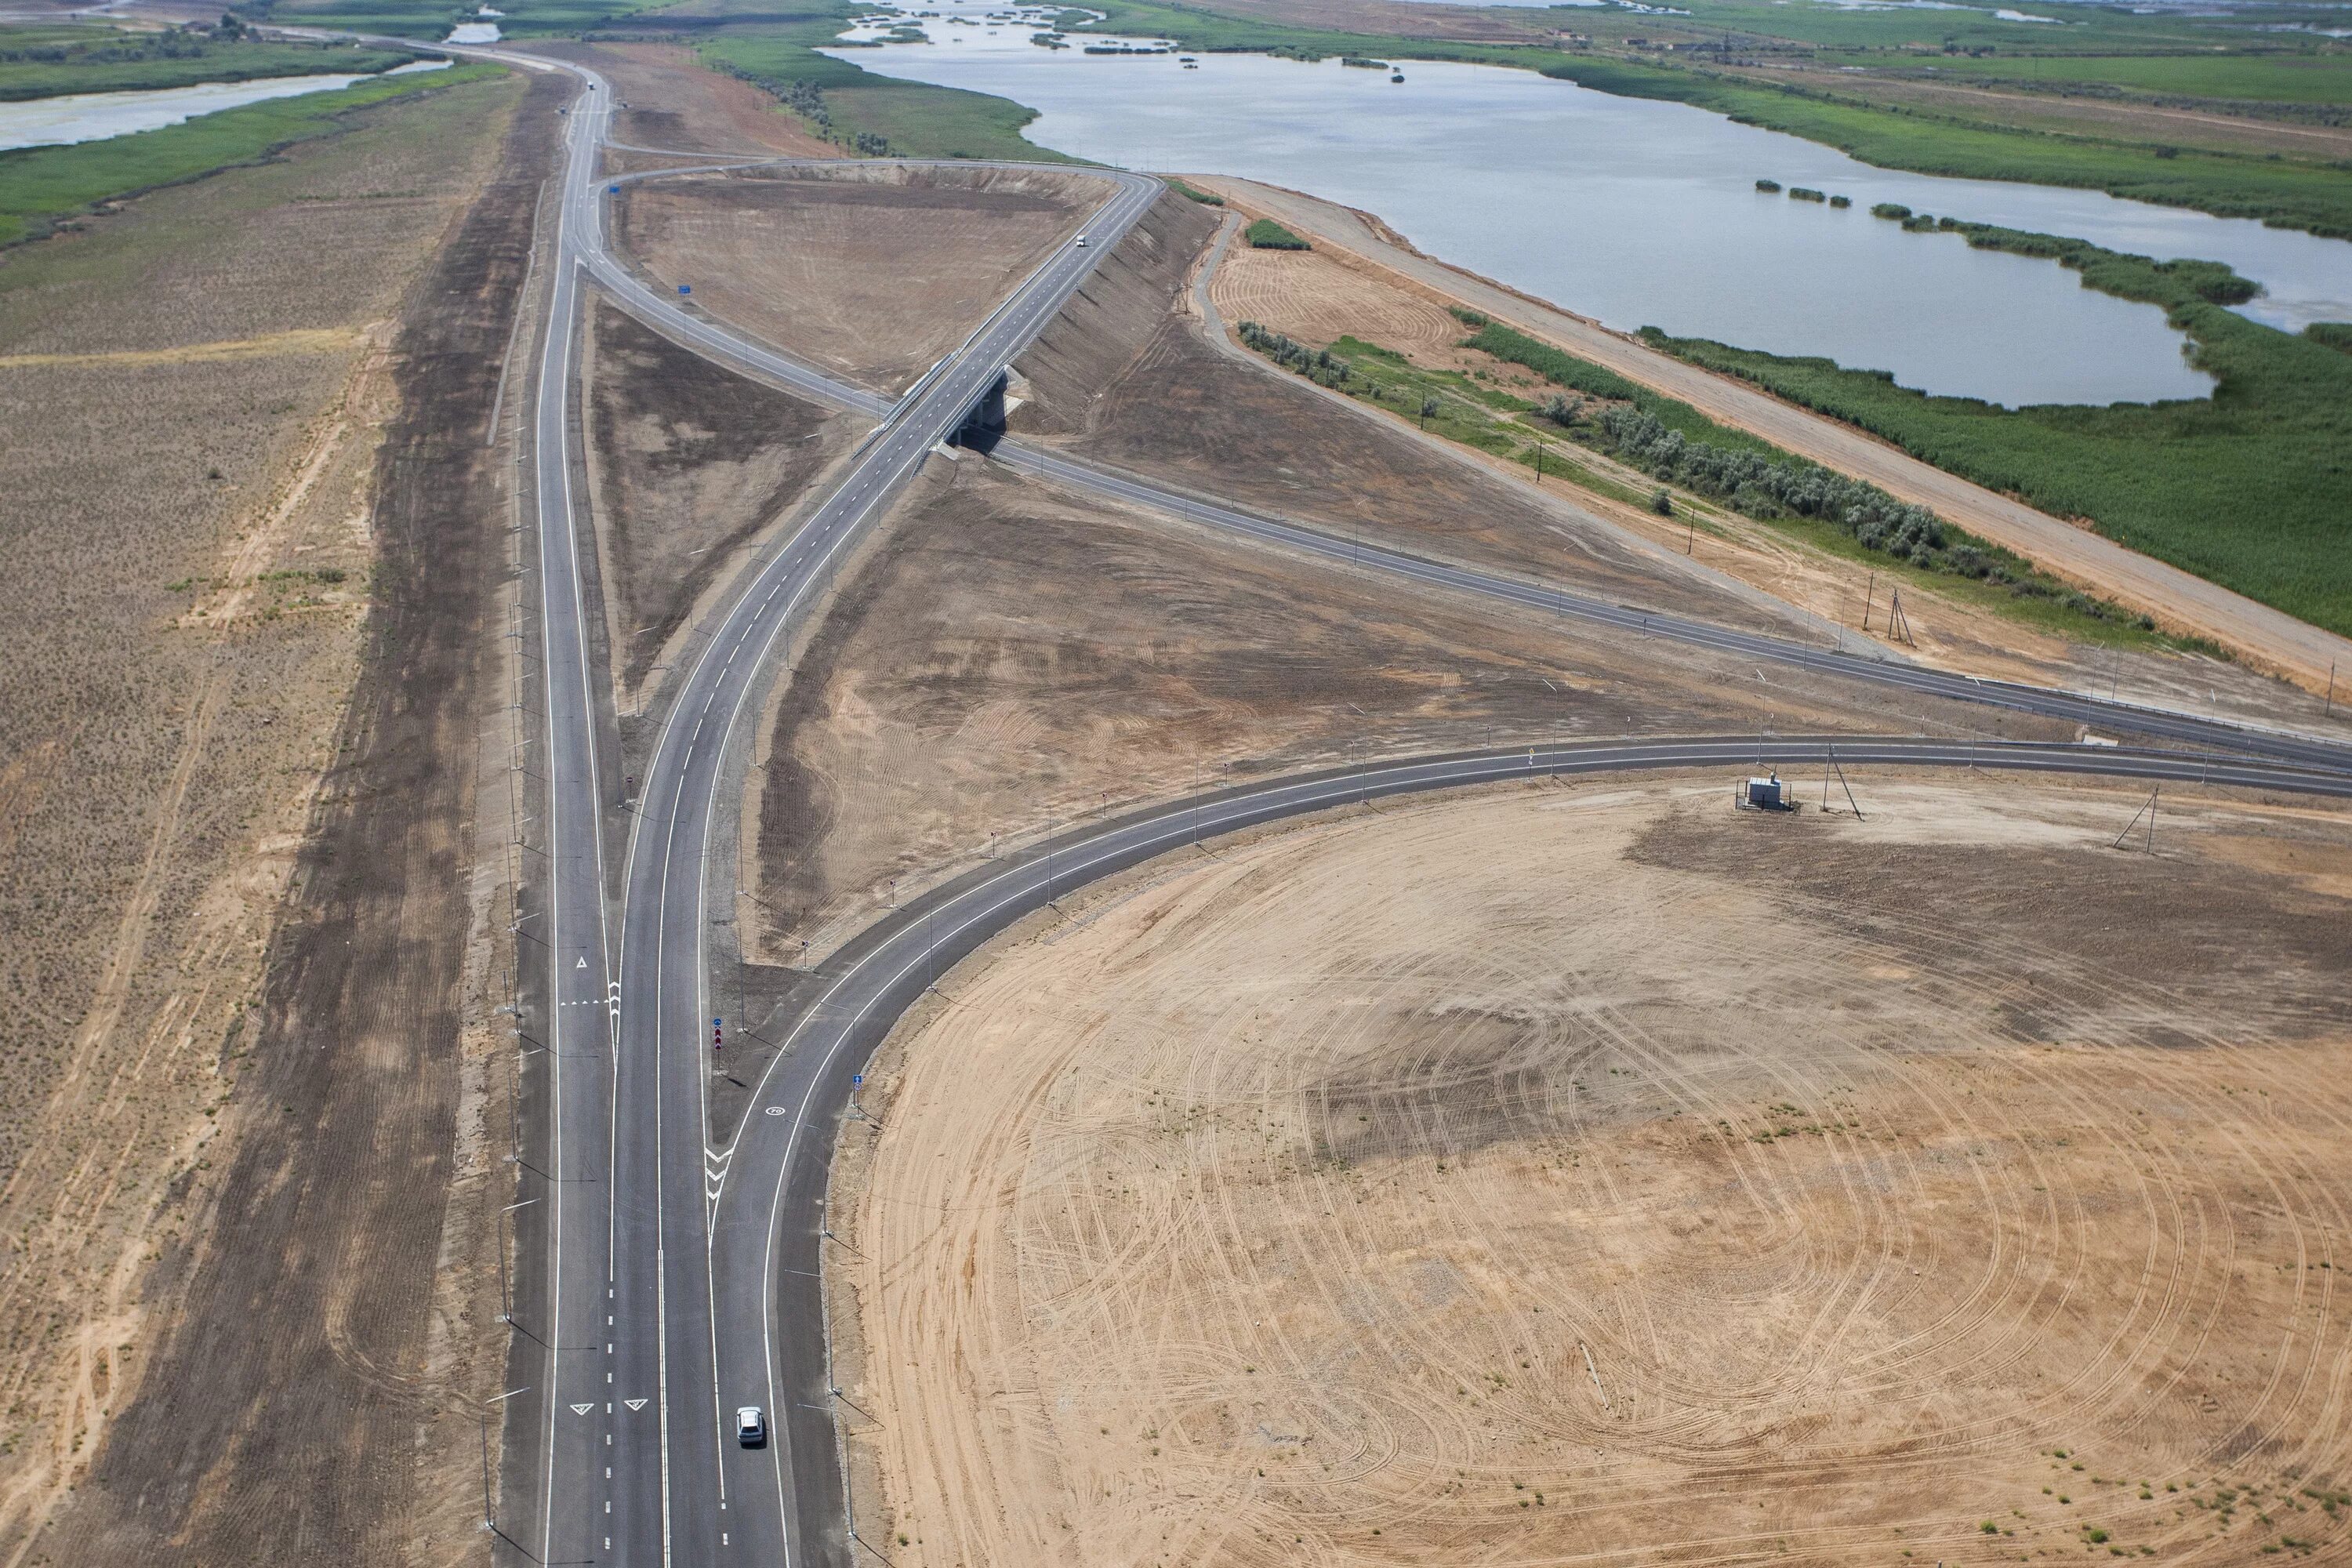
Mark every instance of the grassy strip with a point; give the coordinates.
(864, 111)
(147, 61)
(434, 18)
(2289, 195)
(40, 185)
(1204, 198)
(1675, 443)
(1267, 235)
(1672, 441)
(2252, 489)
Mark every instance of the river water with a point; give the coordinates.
(96, 116)
(1641, 213)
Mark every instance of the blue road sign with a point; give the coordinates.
(612, 190)
(855, 1078)
(686, 288)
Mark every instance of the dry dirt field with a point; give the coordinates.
(700, 111)
(872, 271)
(1320, 296)
(689, 463)
(233, 1295)
(1124, 374)
(1006, 658)
(1591, 1173)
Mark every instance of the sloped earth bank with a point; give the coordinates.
(1321, 295)
(1591, 1172)
(689, 463)
(314, 1399)
(1007, 658)
(872, 270)
(1123, 375)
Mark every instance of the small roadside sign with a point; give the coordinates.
(686, 288)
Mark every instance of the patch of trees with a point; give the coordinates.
(1318, 365)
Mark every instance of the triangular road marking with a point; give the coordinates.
(581, 1409)
(635, 1404)
(582, 964)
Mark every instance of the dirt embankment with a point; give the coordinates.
(1593, 1174)
(689, 463)
(1320, 296)
(2273, 640)
(311, 1399)
(1123, 375)
(669, 100)
(1008, 660)
(870, 270)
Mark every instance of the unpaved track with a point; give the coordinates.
(2271, 638)
(1581, 1172)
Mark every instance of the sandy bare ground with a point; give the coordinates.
(2270, 639)
(1594, 1174)
(1008, 660)
(872, 270)
(669, 100)
(190, 534)
(1320, 296)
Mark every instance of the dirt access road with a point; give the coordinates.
(2269, 638)
(1589, 1173)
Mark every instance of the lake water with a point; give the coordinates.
(1640, 213)
(96, 116)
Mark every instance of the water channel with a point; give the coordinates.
(97, 116)
(1641, 213)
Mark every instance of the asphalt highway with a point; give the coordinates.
(684, 1276)
(641, 1465)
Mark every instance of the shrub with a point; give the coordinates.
(1470, 318)
(1767, 186)
(1662, 501)
(1890, 209)
(1841, 201)
(1805, 194)
(1318, 365)
(1267, 235)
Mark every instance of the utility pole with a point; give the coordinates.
(2329, 707)
(1866, 595)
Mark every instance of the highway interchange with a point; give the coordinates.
(682, 1278)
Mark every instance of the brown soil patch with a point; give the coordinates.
(670, 100)
(1592, 1173)
(689, 463)
(1123, 375)
(1009, 659)
(246, 1291)
(872, 271)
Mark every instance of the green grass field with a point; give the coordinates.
(2314, 196)
(434, 18)
(2251, 489)
(2309, 75)
(780, 49)
(122, 62)
(40, 185)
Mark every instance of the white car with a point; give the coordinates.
(1082, 242)
(750, 1427)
